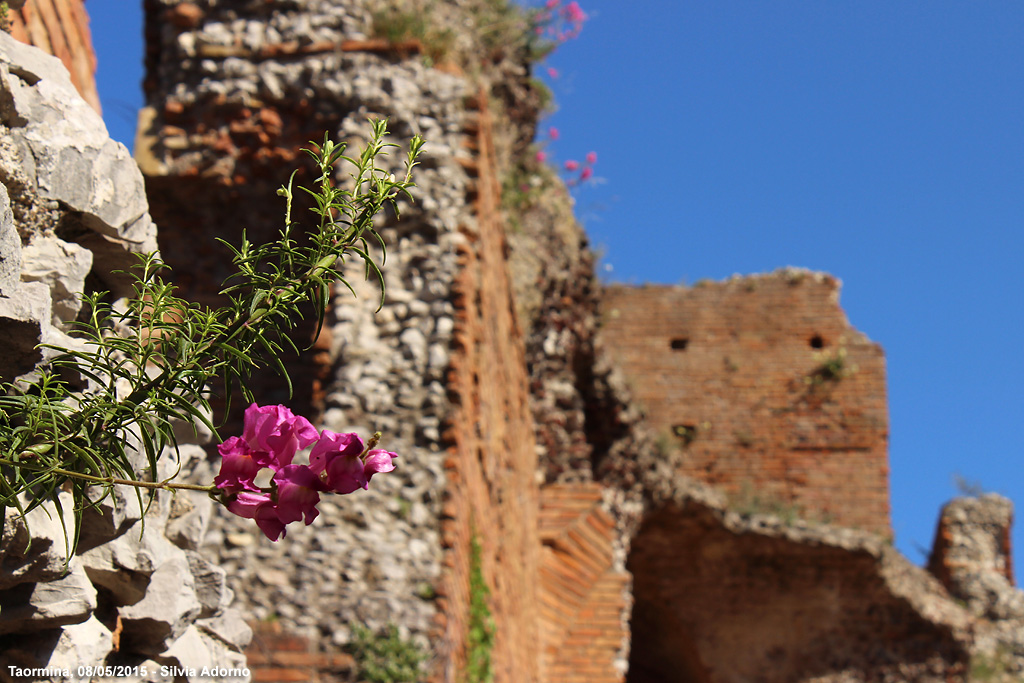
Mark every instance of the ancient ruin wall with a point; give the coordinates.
(763, 389)
(234, 91)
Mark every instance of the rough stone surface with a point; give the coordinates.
(72, 209)
(61, 266)
(10, 247)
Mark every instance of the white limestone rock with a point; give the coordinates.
(68, 600)
(34, 548)
(10, 247)
(61, 266)
(167, 610)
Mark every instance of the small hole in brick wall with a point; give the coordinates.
(679, 343)
(685, 433)
(817, 342)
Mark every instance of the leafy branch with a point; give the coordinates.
(102, 414)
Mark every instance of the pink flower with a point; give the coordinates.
(553, 72)
(346, 474)
(551, 4)
(586, 174)
(571, 165)
(333, 445)
(259, 507)
(298, 492)
(541, 157)
(553, 133)
(275, 434)
(336, 458)
(239, 467)
(573, 13)
(591, 157)
(378, 461)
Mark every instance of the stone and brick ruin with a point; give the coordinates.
(665, 484)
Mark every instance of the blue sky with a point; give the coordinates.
(881, 142)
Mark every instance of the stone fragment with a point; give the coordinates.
(23, 317)
(77, 164)
(229, 628)
(166, 611)
(47, 604)
(110, 517)
(62, 267)
(210, 584)
(125, 566)
(190, 517)
(195, 650)
(10, 247)
(34, 548)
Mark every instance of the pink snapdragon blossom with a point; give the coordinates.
(553, 133)
(275, 434)
(298, 492)
(271, 437)
(378, 461)
(258, 507)
(336, 458)
(586, 174)
(541, 157)
(331, 446)
(239, 467)
(295, 498)
(571, 165)
(591, 157)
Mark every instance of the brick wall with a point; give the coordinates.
(61, 28)
(584, 607)
(275, 656)
(492, 490)
(736, 377)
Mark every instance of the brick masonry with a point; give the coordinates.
(492, 492)
(735, 376)
(583, 598)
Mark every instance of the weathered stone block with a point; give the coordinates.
(47, 604)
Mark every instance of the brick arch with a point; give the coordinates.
(714, 604)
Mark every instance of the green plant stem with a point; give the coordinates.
(161, 485)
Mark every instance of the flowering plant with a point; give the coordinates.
(338, 463)
(102, 414)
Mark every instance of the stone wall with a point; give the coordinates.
(234, 90)
(72, 212)
(764, 390)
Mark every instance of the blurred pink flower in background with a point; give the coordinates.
(553, 133)
(571, 165)
(591, 157)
